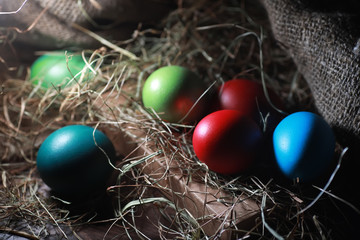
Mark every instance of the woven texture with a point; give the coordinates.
(324, 42)
(113, 19)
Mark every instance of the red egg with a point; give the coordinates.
(226, 141)
(248, 97)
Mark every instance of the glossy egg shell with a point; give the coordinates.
(72, 164)
(248, 97)
(304, 145)
(172, 91)
(226, 141)
(53, 70)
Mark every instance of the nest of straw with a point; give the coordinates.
(189, 36)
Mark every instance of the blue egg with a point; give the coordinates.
(304, 145)
(74, 161)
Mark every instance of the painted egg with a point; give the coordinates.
(54, 70)
(304, 145)
(173, 93)
(74, 161)
(248, 97)
(226, 141)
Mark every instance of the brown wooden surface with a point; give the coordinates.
(219, 209)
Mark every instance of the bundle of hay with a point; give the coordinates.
(218, 40)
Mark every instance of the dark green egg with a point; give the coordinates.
(74, 161)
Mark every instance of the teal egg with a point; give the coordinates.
(56, 69)
(74, 161)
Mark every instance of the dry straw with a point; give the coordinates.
(218, 40)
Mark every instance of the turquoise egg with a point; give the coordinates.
(304, 145)
(56, 69)
(74, 161)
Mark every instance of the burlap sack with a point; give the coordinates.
(113, 19)
(323, 38)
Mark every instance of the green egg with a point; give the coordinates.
(56, 69)
(173, 93)
(74, 161)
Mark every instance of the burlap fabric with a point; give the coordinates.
(323, 38)
(113, 19)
